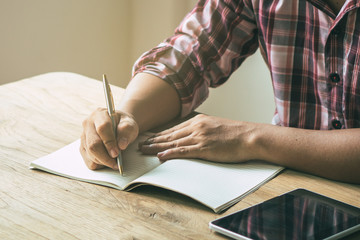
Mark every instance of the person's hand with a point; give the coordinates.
(99, 147)
(204, 137)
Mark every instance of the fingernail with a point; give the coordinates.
(115, 167)
(148, 141)
(123, 142)
(114, 153)
(161, 154)
(142, 144)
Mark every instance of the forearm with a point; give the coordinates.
(332, 154)
(150, 100)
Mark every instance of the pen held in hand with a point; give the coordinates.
(111, 110)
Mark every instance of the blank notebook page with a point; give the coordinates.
(214, 183)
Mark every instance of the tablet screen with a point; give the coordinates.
(299, 214)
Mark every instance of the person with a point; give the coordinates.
(312, 51)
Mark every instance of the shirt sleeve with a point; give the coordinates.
(210, 43)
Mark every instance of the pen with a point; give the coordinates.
(111, 110)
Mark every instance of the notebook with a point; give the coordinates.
(215, 185)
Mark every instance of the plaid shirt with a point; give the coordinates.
(313, 56)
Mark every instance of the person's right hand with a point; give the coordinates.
(99, 147)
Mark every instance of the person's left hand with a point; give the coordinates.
(205, 137)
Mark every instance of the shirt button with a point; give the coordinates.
(336, 124)
(334, 77)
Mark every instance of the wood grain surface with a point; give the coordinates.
(41, 114)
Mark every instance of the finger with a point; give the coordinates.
(179, 131)
(154, 148)
(87, 159)
(95, 148)
(90, 164)
(127, 132)
(175, 128)
(192, 121)
(105, 130)
(166, 138)
(192, 151)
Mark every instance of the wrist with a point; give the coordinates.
(259, 141)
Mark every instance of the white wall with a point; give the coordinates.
(89, 37)
(246, 96)
(150, 27)
(93, 37)
(84, 36)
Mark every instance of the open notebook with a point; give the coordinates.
(217, 186)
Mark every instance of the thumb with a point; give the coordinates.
(104, 129)
(127, 132)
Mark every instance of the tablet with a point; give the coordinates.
(299, 214)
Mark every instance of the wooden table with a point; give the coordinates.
(41, 114)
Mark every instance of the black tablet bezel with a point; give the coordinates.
(214, 225)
